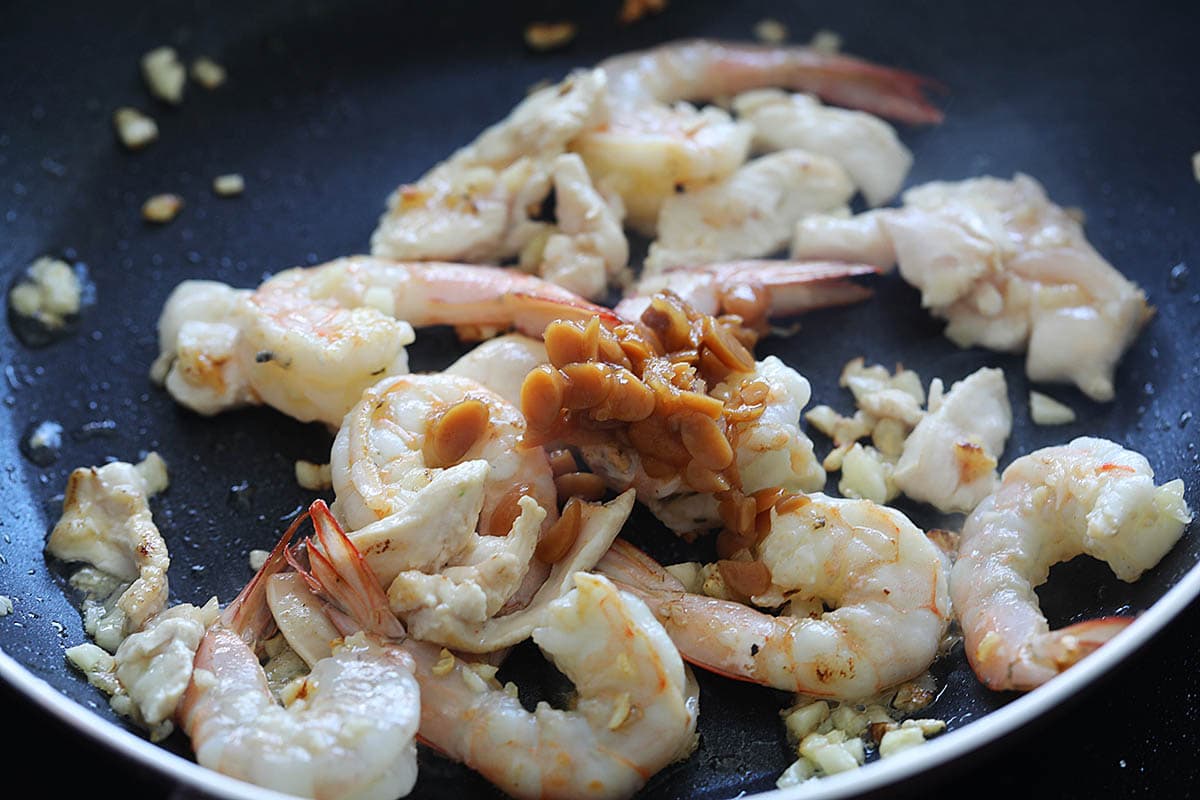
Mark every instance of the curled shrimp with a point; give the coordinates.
(310, 340)
(1089, 496)
(884, 579)
(652, 144)
(637, 703)
(635, 711)
(401, 435)
(750, 214)
(347, 732)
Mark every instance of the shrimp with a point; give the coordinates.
(635, 711)
(348, 731)
(652, 144)
(501, 364)
(866, 146)
(752, 289)
(699, 69)
(1007, 268)
(885, 580)
(768, 450)
(485, 203)
(751, 213)
(637, 703)
(949, 459)
(106, 522)
(309, 341)
(400, 435)
(1089, 496)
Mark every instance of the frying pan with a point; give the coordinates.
(330, 105)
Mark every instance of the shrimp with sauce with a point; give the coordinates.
(1089, 496)
(674, 406)
(348, 731)
(885, 580)
(653, 144)
(402, 434)
(310, 340)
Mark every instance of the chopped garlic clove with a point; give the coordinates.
(544, 36)
(316, 477)
(207, 73)
(164, 74)
(134, 129)
(229, 185)
(1045, 410)
(162, 208)
(899, 740)
(770, 31)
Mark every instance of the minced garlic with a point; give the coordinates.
(134, 129)
(1045, 410)
(207, 73)
(162, 208)
(230, 185)
(48, 292)
(544, 36)
(164, 74)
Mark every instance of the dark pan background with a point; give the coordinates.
(330, 105)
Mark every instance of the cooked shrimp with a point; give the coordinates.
(396, 439)
(501, 364)
(866, 146)
(699, 69)
(480, 205)
(752, 289)
(348, 731)
(884, 579)
(950, 457)
(769, 450)
(106, 522)
(586, 250)
(1089, 496)
(653, 144)
(472, 207)
(406, 428)
(750, 214)
(636, 706)
(309, 341)
(1006, 267)
(635, 711)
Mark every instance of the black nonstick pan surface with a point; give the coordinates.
(330, 105)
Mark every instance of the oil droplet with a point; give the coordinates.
(1179, 276)
(42, 442)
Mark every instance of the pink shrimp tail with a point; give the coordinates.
(627, 565)
(844, 80)
(249, 614)
(338, 572)
(1067, 646)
